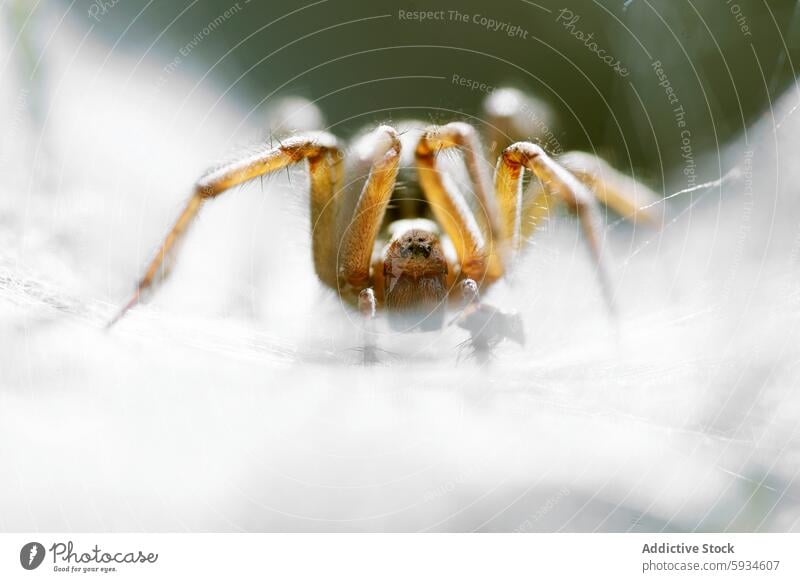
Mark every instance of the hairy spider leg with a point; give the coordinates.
(321, 151)
(358, 237)
(562, 186)
(473, 238)
(513, 115)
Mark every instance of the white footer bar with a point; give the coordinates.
(388, 557)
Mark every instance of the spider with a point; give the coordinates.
(414, 251)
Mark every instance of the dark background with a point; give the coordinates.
(723, 77)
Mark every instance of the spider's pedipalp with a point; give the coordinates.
(487, 325)
(469, 291)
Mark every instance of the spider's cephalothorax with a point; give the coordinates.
(415, 280)
(461, 245)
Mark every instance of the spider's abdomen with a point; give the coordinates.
(415, 281)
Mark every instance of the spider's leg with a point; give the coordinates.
(358, 237)
(382, 149)
(560, 185)
(323, 162)
(626, 196)
(537, 206)
(471, 235)
(513, 115)
(367, 307)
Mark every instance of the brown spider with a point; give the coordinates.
(375, 257)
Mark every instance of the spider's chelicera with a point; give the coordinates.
(440, 248)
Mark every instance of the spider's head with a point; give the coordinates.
(416, 253)
(417, 244)
(415, 272)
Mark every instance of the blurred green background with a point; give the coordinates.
(725, 61)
